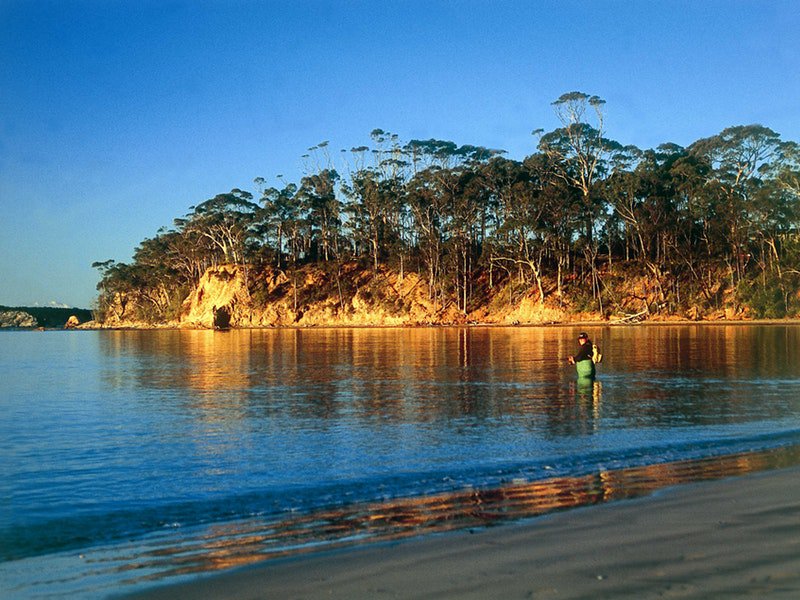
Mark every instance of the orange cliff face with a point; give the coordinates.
(219, 287)
(310, 296)
(349, 295)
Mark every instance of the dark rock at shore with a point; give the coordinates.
(222, 317)
(47, 317)
(17, 318)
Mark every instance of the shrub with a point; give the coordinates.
(767, 299)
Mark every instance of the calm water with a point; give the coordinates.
(137, 458)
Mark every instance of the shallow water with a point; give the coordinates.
(120, 446)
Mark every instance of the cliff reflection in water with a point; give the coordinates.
(272, 442)
(328, 373)
(240, 543)
(661, 375)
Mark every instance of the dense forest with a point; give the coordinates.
(49, 316)
(712, 223)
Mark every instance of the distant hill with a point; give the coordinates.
(51, 317)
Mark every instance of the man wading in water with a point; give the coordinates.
(583, 360)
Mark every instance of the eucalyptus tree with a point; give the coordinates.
(399, 241)
(699, 236)
(784, 175)
(428, 212)
(518, 239)
(446, 206)
(164, 277)
(563, 218)
(189, 253)
(464, 187)
(579, 152)
(738, 156)
(128, 291)
(775, 218)
(110, 299)
(643, 199)
(466, 209)
(500, 175)
(786, 172)
(184, 256)
(369, 205)
(317, 197)
(777, 205)
(227, 222)
(390, 156)
(280, 216)
(392, 166)
(373, 192)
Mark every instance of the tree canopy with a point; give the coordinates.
(721, 215)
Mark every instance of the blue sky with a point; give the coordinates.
(117, 116)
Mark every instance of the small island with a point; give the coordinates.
(43, 317)
(432, 232)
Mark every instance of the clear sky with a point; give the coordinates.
(117, 116)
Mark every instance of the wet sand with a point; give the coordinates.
(738, 537)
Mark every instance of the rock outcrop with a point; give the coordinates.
(221, 291)
(352, 295)
(46, 317)
(17, 318)
(72, 322)
(230, 296)
(233, 296)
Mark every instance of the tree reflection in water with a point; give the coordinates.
(223, 546)
(244, 411)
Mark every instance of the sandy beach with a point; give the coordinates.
(738, 537)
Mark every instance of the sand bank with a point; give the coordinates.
(737, 537)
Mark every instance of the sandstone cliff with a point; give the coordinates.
(308, 297)
(351, 296)
(311, 297)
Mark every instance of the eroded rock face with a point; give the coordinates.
(233, 296)
(17, 318)
(72, 322)
(224, 287)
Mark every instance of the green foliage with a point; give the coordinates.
(582, 300)
(769, 299)
(52, 317)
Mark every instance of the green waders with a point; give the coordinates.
(585, 368)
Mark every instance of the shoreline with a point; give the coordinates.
(579, 323)
(739, 535)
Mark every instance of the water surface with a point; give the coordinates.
(120, 446)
